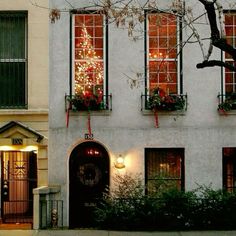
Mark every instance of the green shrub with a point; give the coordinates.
(128, 208)
(216, 209)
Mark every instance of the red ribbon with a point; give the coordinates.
(67, 117)
(223, 112)
(156, 118)
(89, 124)
(68, 114)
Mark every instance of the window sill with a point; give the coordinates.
(226, 113)
(92, 113)
(23, 112)
(164, 113)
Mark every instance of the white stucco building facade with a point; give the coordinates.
(200, 132)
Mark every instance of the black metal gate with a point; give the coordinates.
(19, 177)
(89, 178)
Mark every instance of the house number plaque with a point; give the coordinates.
(17, 141)
(88, 136)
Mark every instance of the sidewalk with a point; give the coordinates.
(110, 233)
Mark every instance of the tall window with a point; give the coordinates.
(89, 54)
(13, 59)
(229, 169)
(230, 28)
(162, 52)
(164, 169)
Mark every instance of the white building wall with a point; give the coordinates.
(201, 130)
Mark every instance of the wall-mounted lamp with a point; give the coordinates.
(120, 162)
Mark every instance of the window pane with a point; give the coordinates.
(79, 19)
(228, 19)
(99, 32)
(89, 66)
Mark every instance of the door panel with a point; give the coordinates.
(19, 177)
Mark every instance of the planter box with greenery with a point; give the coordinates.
(228, 104)
(159, 101)
(88, 102)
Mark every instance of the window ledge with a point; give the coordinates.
(23, 112)
(92, 113)
(226, 113)
(164, 113)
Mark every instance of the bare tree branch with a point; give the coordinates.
(212, 63)
(217, 39)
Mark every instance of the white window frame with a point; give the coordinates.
(172, 59)
(229, 59)
(104, 51)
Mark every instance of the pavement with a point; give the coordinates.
(25, 232)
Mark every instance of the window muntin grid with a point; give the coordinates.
(88, 44)
(162, 56)
(230, 29)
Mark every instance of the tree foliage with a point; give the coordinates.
(129, 14)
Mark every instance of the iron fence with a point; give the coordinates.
(51, 214)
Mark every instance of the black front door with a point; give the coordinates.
(89, 179)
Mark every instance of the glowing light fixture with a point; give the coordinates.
(120, 162)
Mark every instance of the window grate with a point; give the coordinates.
(164, 169)
(13, 59)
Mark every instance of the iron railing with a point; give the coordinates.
(227, 102)
(51, 214)
(172, 102)
(85, 103)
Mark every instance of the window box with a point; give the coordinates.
(227, 102)
(161, 101)
(88, 102)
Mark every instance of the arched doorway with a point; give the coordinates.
(89, 178)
